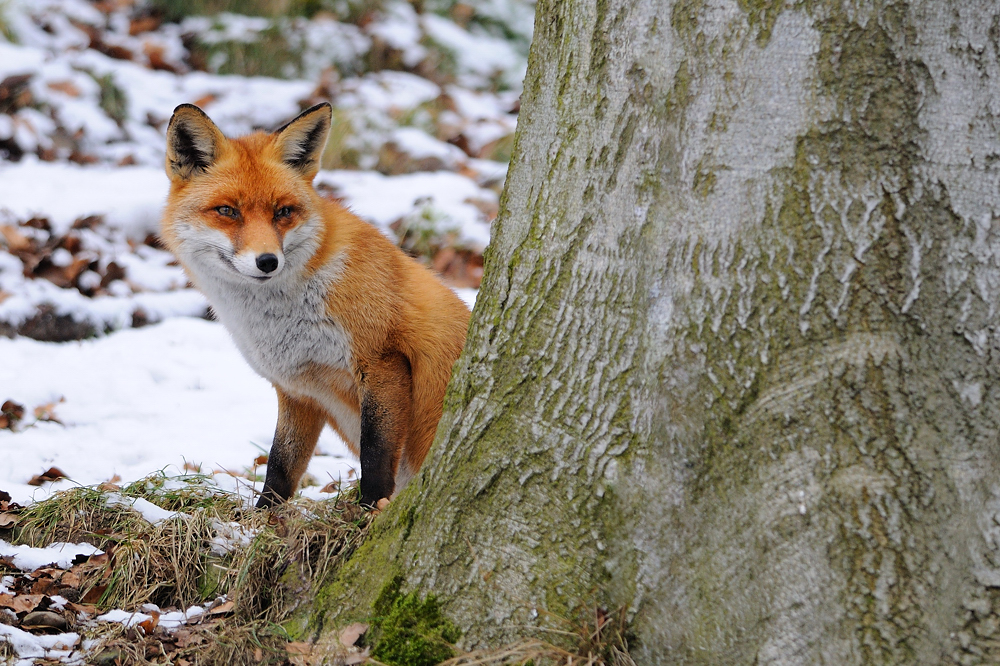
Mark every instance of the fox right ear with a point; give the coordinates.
(193, 142)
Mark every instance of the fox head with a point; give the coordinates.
(243, 209)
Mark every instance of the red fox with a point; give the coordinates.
(349, 330)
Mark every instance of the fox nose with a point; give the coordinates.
(267, 262)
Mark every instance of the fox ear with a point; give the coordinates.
(301, 141)
(192, 142)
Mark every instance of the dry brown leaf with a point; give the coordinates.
(44, 586)
(65, 87)
(16, 241)
(47, 412)
(186, 638)
(93, 595)
(350, 634)
(203, 101)
(86, 609)
(149, 626)
(21, 603)
(225, 607)
(11, 413)
(51, 474)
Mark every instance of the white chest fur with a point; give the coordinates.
(281, 326)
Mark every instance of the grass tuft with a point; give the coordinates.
(266, 563)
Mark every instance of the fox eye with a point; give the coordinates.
(283, 212)
(226, 211)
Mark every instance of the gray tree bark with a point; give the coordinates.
(734, 364)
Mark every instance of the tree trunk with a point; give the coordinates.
(734, 364)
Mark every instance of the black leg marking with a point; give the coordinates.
(378, 455)
(277, 483)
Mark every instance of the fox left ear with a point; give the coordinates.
(301, 141)
(193, 143)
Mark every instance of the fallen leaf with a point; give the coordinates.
(21, 603)
(16, 241)
(186, 638)
(10, 413)
(93, 595)
(225, 607)
(202, 102)
(52, 474)
(149, 626)
(47, 412)
(350, 634)
(86, 609)
(111, 484)
(43, 586)
(65, 87)
(99, 560)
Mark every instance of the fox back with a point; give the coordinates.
(349, 330)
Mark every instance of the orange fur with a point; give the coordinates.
(403, 328)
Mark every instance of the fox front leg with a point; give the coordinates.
(386, 404)
(299, 424)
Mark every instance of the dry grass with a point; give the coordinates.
(179, 563)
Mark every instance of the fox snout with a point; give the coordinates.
(260, 265)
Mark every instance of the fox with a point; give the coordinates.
(350, 331)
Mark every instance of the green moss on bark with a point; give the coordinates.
(409, 631)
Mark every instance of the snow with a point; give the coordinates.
(175, 619)
(124, 617)
(385, 199)
(59, 555)
(153, 514)
(129, 198)
(29, 646)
